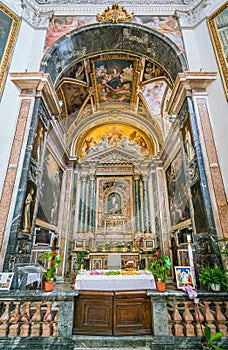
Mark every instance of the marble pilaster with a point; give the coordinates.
(137, 227)
(146, 204)
(91, 206)
(82, 209)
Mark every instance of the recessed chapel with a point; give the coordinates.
(113, 136)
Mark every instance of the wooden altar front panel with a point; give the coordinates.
(93, 313)
(116, 313)
(132, 313)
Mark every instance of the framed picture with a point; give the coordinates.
(9, 26)
(217, 24)
(149, 244)
(42, 236)
(184, 276)
(6, 280)
(97, 264)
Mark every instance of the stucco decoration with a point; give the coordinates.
(190, 12)
(194, 16)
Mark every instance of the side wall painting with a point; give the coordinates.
(199, 213)
(28, 208)
(49, 196)
(9, 26)
(177, 191)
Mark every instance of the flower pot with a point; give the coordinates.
(215, 287)
(48, 286)
(161, 286)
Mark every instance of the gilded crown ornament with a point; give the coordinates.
(115, 14)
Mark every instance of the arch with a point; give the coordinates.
(127, 37)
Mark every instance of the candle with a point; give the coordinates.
(189, 239)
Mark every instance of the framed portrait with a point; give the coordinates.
(9, 26)
(184, 276)
(218, 26)
(6, 280)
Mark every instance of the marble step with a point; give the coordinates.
(112, 343)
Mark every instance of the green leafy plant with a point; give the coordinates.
(213, 275)
(209, 338)
(49, 261)
(159, 266)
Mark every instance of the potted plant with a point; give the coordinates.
(159, 266)
(49, 261)
(215, 278)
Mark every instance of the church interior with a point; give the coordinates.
(113, 157)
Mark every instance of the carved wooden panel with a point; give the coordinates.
(131, 313)
(93, 313)
(112, 313)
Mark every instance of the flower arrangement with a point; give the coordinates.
(159, 265)
(49, 261)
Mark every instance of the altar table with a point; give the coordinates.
(115, 282)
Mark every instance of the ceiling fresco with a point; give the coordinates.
(121, 82)
(92, 85)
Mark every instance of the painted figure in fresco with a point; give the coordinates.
(27, 211)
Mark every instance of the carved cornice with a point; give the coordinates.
(193, 16)
(189, 12)
(40, 9)
(188, 82)
(37, 84)
(114, 155)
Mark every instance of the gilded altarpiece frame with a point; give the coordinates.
(114, 205)
(9, 26)
(218, 26)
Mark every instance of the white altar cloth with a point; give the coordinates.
(115, 282)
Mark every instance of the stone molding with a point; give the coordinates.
(189, 12)
(37, 83)
(188, 82)
(192, 17)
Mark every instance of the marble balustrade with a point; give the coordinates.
(48, 317)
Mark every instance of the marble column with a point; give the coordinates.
(91, 204)
(82, 208)
(146, 203)
(203, 180)
(137, 204)
(66, 217)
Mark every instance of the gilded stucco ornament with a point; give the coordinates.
(114, 15)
